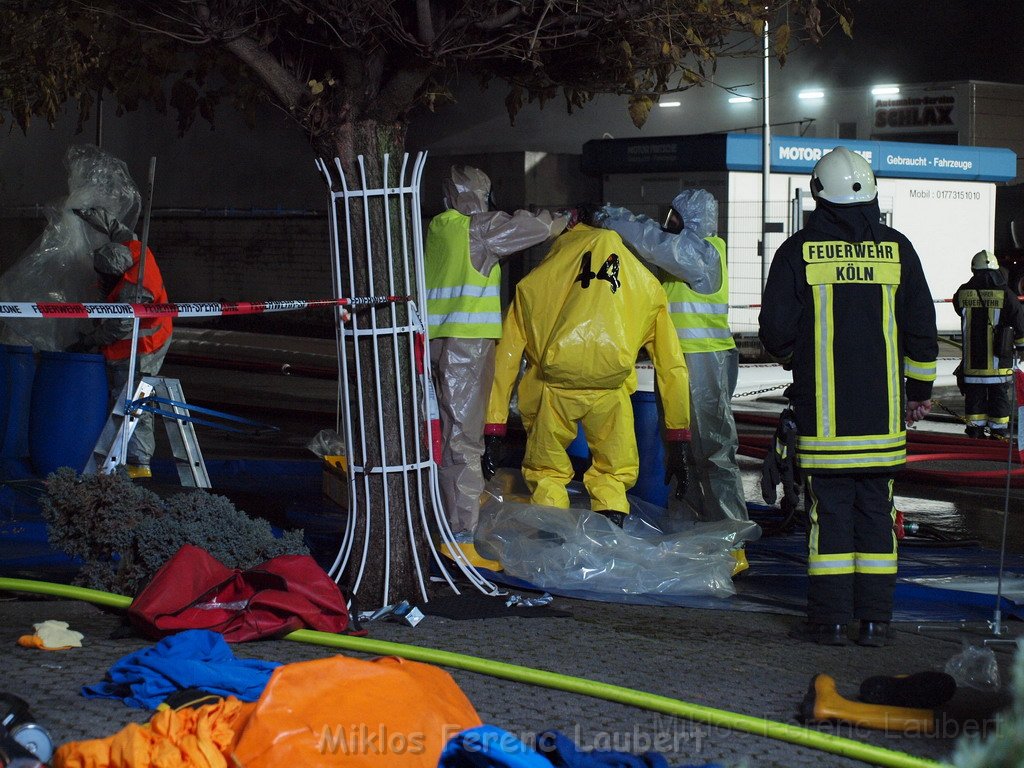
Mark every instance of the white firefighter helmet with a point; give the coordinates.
(843, 177)
(984, 260)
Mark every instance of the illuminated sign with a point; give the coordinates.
(792, 154)
(911, 112)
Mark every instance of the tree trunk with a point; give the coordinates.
(376, 446)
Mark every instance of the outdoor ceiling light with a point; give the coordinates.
(811, 94)
(739, 99)
(670, 103)
(885, 90)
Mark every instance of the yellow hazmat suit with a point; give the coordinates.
(580, 318)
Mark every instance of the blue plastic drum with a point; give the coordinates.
(69, 409)
(650, 483)
(17, 372)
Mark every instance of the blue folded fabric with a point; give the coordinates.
(491, 747)
(196, 658)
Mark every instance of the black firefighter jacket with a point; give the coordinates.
(847, 308)
(992, 321)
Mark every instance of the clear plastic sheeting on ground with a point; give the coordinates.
(577, 550)
(58, 266)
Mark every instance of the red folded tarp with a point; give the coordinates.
(193, 590)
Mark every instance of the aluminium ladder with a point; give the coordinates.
(180, 432)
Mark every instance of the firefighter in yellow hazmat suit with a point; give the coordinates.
(581, 317)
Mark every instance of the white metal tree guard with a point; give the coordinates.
(407, 337)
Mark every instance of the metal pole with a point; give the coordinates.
(997, 619)
(133, 355)
(99, 118)
(766, 157)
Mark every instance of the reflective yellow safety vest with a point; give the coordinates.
(702, 319)
(461, 302)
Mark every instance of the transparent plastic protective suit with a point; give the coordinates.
(59, 265)
(577, 551)
(463, 367)
(716, 486)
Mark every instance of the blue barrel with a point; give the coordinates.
(17, 372)
(69, 409)
(650, 483)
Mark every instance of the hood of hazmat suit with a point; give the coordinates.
(467, 190)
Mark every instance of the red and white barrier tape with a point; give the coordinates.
(97, 311)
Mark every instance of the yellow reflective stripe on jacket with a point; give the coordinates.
(851, 452)
(824, 372)
(461, 302)
(702, 319)
(913, 369)
(894, 380)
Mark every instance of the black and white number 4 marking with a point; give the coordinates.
(609, 271)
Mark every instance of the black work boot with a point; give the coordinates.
(822, 634)
(921, 690)
(874, 634)
(617, 518)
(975, 430)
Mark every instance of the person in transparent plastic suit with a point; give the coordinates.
(464, 249)
(695, 276)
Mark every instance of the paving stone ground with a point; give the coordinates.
(741, 662)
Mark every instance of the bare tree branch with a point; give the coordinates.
(283, 85)
(424, 22)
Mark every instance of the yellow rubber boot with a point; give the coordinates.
(740, 556)
(823, 703)
(469, 552)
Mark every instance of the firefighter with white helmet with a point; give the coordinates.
(846, 307)
(992, 322)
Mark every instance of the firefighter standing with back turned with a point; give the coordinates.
(992, 321)
(847, 308)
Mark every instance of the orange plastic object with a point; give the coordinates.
(352, 712)
(823, 703)
(35, 641)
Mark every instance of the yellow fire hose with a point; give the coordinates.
(698, 713)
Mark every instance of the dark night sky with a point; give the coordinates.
(929, 41)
